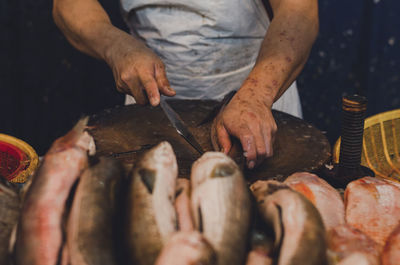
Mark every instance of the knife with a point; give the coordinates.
(179, 125)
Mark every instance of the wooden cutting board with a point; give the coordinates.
(125, 132)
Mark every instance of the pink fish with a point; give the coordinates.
(391, 251)
(187, 248)
(324, 197)
(347, 244)
(373, 207)
(39, 236)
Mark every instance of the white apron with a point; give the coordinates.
(208, 46)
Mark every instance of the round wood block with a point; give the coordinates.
(125, 132)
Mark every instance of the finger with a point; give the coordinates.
(224, 139)
(162, 81)
(248, 145)
(134, 88)
(214, 136)
(259, 141)
(151, 88)
(269, 139)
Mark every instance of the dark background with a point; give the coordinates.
(46, 85)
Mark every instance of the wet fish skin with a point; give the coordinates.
(182, 205)
(151, 217)
(300, 240)
(347, 244)
(90, 233)
(324, 197)
(187, 248)
(39, 236)
(262, 246)
(391, 251)
(221, 206)
(373, 207)
(9, 214)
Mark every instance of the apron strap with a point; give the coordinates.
(268, 8)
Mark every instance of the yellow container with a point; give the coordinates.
(381, 145)
(18, 160)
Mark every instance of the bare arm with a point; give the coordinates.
(287, 44)
(137, 70)
(282, 56)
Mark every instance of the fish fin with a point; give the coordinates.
(148, 178)
(178, 192)
(200, 219)
(274, 212)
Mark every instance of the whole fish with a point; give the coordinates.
(221, 206)
(347, 244)
(298, 227)
(40, 236)
(391, 251)
(90, 233)
(187, 248)
(151, 216)
(324, 197)
(373, 206)
(182, 205)
(9, 214)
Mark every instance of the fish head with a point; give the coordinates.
(262, 188)
(162, 155)
(213, 165)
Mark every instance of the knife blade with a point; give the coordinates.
(180, 126)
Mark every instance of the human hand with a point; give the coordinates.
(247, 117)
(138, 71)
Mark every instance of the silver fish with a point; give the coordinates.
(91, 223)
(221, 206)
(182, 205)
(151, 216)
(298, 227)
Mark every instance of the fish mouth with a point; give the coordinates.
(262, 188)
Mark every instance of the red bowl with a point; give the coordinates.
(17, 159)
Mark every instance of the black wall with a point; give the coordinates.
(46, 85)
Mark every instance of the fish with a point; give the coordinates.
(187, 248)
(347, 244)
(221, 206)
(391, 250)
(182, 205)
(261, 248)
(297, 225)
(40, 235)
(151, 217)
(90, 233)
(9, 214)
(324, 197)
(373, 207)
